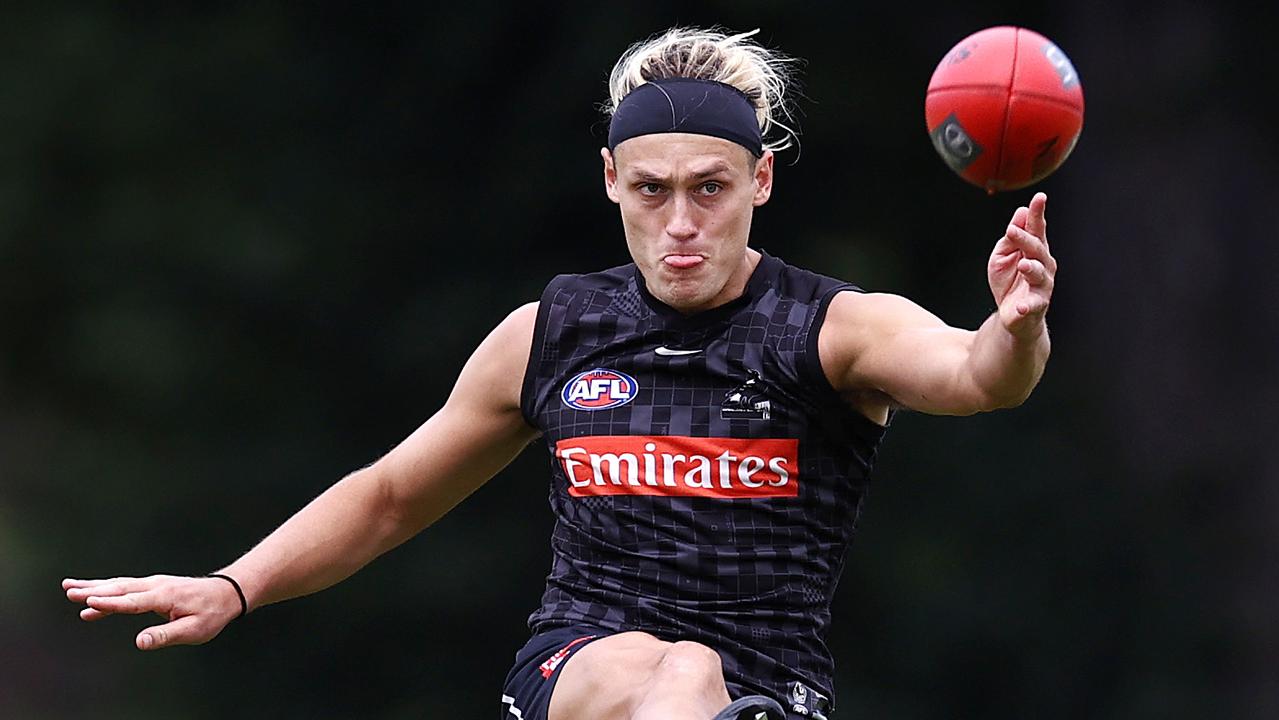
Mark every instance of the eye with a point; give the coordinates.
(650, 189)
(711, 188)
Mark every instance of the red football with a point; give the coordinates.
(1004, 108)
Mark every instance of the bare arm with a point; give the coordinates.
(890, 347)
(478, 432)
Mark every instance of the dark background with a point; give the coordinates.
(245, 251)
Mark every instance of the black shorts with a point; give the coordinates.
(526, 694)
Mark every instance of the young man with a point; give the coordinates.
(713, 412)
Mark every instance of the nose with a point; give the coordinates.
(681, 225)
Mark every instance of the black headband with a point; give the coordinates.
(686, 105)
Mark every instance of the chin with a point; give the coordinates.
(683, 297)
(686, 290)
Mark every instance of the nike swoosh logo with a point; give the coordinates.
(667, 352)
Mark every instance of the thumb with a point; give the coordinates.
(183, 631)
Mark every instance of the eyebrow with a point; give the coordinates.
(649, 176)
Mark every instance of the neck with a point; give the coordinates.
(736, 285)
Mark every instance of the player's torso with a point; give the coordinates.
(705, 479)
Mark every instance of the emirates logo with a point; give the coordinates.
(671, 465)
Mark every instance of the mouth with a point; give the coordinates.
(682, 262)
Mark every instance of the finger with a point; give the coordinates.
(1007, 245)
(89, 614)
(1026, 309)
(1036, 223)
(1019, 217)
(1034, 302)
(120, 587)
(1034, 305)
(131, 604)
(1031, 246)
(183, 631)
(69, 583)
(1035, 273)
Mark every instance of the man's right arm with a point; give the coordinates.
(479, 431)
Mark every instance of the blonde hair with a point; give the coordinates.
(763, 75)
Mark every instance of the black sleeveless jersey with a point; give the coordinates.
(706, 477)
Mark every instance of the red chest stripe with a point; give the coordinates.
(671, 465)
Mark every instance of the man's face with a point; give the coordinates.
(686, 203)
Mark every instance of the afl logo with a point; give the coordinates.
(599, 389)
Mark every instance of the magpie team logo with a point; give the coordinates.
(599, 389)
(747, 401)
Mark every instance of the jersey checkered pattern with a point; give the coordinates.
(751, 577)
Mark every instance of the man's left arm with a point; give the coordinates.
(888, 345)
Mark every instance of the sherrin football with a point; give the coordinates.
(1004, 108)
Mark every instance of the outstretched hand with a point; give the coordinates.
(196, 609)
(1021, 270)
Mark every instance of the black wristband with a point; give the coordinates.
(244, 604)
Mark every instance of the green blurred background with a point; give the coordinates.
(244, 251)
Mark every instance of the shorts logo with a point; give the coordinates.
(599, 389)
(674, 466)
(553, 662)
(808, 702)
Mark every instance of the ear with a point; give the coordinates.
(610, 175)
(763, 179)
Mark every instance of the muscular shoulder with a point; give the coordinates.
(518, 325)
(513, 337)
(875, 311)
(496, 369)
(857, 325)
(889, 345)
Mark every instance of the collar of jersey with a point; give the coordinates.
(761, 279)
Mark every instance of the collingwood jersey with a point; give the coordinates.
(706, 477)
